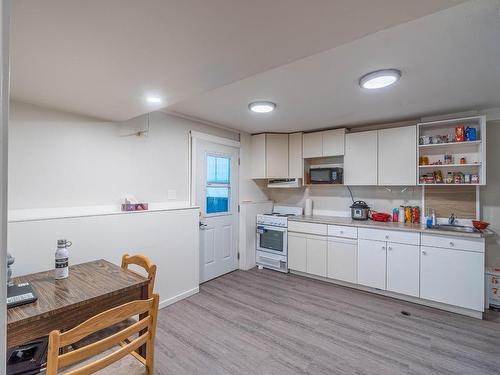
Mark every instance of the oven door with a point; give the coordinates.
(272, 239)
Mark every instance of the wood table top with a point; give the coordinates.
(87, 282)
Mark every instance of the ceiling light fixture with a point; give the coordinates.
(153, 99)
(262, 107)
(380, 78)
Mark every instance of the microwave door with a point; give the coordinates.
(320, 176)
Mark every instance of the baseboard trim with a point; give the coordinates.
(418, 301)
(179, 297)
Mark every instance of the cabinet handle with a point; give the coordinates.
(389, 248)
(383, 247)
(341, 232)
(387, 237)
(424, 252)
(452, 244)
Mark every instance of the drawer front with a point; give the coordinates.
(410, 238)
(311, 228)
(448, 242)
(341, 231)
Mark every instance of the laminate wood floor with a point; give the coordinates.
(265, 322)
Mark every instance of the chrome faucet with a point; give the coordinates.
(452, 219)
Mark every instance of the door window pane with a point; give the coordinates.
(218, 169)
(217, 199)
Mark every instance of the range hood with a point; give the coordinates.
(284, 183)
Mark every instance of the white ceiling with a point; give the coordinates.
(102, 57)
(450, 62)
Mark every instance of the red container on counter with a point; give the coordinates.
(416, 215)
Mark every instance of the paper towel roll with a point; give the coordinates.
(308, 210)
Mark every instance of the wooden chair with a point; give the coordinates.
(145, 327)
(144, 262)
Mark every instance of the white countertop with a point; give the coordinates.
(347, 221)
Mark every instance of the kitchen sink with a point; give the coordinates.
(456, 228)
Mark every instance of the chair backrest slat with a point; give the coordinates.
(104, 320)
(97, 347)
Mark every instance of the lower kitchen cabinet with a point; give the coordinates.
(342, 260)
(403, 268)
(297, 253)
(372, 263)
(455, 277)
(316, 256)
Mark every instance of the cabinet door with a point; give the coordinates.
(297, 252)
(455, 277)
(342, 260)
(276, 155)
(333, 142)
(403, 269)
(316, 256)
(295, 159)
(360, 160)
(313, 145)
(258, 149)
(397, 156)
(372, 263)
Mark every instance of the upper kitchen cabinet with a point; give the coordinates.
(276, 156)
(333, 142)
(324, 144)
(295, 159)
(397, 156)
(360, 159)
(258, 147)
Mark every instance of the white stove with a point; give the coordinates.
(272, 235)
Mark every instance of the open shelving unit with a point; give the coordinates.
(473, 151)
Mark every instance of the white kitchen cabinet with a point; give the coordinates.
(403, 268)
(258, 149)
(297, 252)
(295, 159)
(333, 142)
(360, 159)
(324, 144)
(342, 259)
(316, 256)
(455, 277)
(313, 145)
(397, 156)
(372, 263)
(276, 155)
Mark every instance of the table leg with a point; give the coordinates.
(144, 295)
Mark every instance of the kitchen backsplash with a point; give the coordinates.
(336, 200)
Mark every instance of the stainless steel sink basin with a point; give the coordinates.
(456, 228)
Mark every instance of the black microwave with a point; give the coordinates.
(332, 175)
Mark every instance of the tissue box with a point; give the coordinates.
(134, 207)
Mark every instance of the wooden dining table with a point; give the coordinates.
(90, 289)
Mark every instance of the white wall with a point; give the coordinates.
(60, 159)
(169, 238)
(490, 194)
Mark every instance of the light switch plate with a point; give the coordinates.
(171, 194)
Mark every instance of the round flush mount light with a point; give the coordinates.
(380, 78)
(262, 107)
(153, 99)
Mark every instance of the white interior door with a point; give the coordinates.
(216, 192)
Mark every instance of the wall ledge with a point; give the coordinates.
(37, 214)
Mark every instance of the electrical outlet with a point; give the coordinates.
(171, 194)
